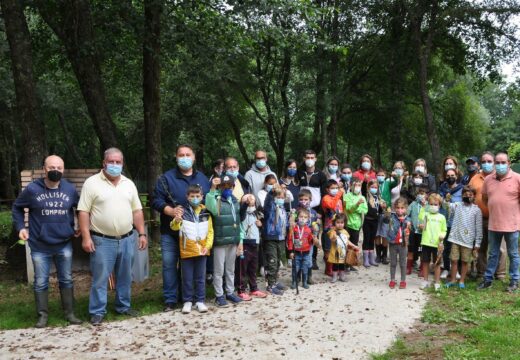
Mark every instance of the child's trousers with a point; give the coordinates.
(224, 264)
(245, 269)
(402, 252)
(273, 250)
(194, 276)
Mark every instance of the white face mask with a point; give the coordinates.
(357, 190)
(417, 181)
(251, 209)
(434, 209)
(419, 169)
(449, 167)
(310, 163)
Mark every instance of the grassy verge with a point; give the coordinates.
(463, 324)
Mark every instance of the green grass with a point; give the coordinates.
(474, 325)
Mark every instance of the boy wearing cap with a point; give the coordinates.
(227, 245)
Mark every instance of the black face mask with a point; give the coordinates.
(54, 175)
(451, 180)
(472, 168)
(467, 199)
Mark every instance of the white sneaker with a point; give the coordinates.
(457, 276)
(186, 309)
(289, 263)
(201, 307)
(444, 274)
(437, 286)
(424, 285)
(281, 264)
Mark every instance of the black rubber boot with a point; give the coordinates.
(309, 277)
(67, 302)
(42, 308)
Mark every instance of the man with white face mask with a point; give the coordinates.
(315, 181)
(109, 208)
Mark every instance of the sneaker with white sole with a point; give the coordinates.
(457, 276)
(444, 274)
(437, 286)
(186, 308)
(424, 285)
(201, 307)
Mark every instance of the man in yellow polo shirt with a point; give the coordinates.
(109, 208)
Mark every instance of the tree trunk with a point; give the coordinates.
(71, 21)
(333, 83)
(32, 126)
(320, 112)
(234, 127)
(151, 101)
(6, 184)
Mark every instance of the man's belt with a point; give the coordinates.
(117, 237)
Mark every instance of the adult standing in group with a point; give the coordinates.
(477, 182)
(451, 190)
(51, 201)
(501, 193)
(315, 181)
(331, 169)
(472, 169)
(399, 173)
(169, 199)
(232, 168)
(289, 180)
(365, 172)
(109, 209)
(259, 170)
(418, 178)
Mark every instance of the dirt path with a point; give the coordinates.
(342, 320)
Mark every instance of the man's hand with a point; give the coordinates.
(143, 242)
(23, 234)
(87, 244)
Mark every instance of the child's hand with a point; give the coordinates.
(421, 226)
(240, 249)
(251, 200)
(448, 197)
(440, 247)
(215, 182)
(356, 249)
(383, 204)
(475, 252)
(291, 256)
(360, 201)
(258, 223)
(204, 251)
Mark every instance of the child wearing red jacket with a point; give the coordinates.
(332, 204)
(299, 243)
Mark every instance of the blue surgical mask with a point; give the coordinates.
(268, 187)
(346, 177)
(260, 163)
(291, 172)
(420, 198)
(233, 173)
(185, 163)
(333, 169)
(226, 193)
(114, 170)
(279, 202)
(195, 202)
(399, 172)
(334, 192)
(487, 167)
(373, 191)
(302, 222)
(501, 169)
(366, 165)
(380, 178)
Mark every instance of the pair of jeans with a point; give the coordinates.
(245, 269)
(170, 252)
(111, 256)
(42, 261)
(495, 239)
(224, 265)
(483, 255)
(194, 279)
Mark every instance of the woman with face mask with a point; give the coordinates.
(419, 177)
(346, 177)
(365, 172)
(289, 180)
(331, 169)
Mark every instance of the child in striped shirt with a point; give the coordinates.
(465, 234)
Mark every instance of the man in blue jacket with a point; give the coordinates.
(169, 199)
(51, 201)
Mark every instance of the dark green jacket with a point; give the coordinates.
(225, 226)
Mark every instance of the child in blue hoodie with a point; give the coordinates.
(398, 235)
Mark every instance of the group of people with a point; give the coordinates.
(232, 228)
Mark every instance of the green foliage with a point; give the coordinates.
(514, 152)
(5, 226)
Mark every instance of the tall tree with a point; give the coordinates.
(33, 128)
(71, 21)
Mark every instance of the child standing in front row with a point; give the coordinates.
(227, 245)
(246, 265)
(299, 243)
(195, 241)
(332, 204)
(433, 226)
(398, 235)
(355, 209)
(414, 245)
(275, 228)
(304, 202)
(339, 241)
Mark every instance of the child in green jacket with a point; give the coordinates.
(355, 207)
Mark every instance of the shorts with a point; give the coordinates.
(428, 254)
(459, 252)
(414, 243)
